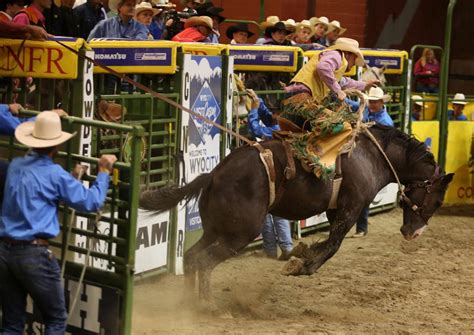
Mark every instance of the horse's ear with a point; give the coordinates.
(447, 179)
(383, 69)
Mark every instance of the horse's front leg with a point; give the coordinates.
(318, 253)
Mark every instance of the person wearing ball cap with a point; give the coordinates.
(34, 187)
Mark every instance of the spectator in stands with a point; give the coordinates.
(269, 21)
(262, 122)
(33, 14)
(15, 30)
(374, 112)
(290, 25)
(334, 32)
(60, 18)
(88, 15)
(239, 33)
(9, 8)
(197, 29)
(191, 5)
(426, 72)
(304, 31)
(217, 19)
(417, 108)
(459, 102)
(162, 27)
(277, 35)
(34, 187)
(144, 14)
(324, 73)
(121, 26)
(320, 28)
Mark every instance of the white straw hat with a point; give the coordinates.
(376, 93)
(459, 99)
(290, 24)
(319, 20)
(44, 132)
(269, 21)
(417, 100)
(195, 21)
(144, 6)
(350, 45)
(333, 25)
(306, 24)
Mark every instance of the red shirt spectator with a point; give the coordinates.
(426, 72)
(197, 29)
(32, 15)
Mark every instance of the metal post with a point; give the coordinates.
(443, 92)
(262, 10)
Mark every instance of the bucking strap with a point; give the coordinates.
(336, 184)
(266, 156)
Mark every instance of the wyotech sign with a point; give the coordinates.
(201, 151)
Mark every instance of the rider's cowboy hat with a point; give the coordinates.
(418, 100)
(459, 99)
(333, 25)
(270, 21)
(195, 21)
(376, 93)
(145, 6)
(44, 132)
(306, 24)
(350, 45)
(321, 20)
(238, 27)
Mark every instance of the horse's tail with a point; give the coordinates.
(164, 198)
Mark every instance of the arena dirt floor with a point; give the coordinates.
(380, 284)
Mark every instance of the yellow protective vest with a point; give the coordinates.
(310, 77)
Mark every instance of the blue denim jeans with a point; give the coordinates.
(33, 270)
(276, 229)
(362, 221)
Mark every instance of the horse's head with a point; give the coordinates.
(373, 72)
(419, 202)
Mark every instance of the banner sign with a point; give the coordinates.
(460, 161)
(264, 58)
(135, 56)
(39, 59)
(153, 231)
(427, 132)
(202, 87)
(97, 311)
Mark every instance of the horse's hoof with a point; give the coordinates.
(293, 267)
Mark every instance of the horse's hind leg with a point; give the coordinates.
(190, 260)
(209, 258)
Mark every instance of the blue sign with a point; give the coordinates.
(263, 57)
(387, 61)
(134, 56)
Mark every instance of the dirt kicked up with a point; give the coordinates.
(374, 285)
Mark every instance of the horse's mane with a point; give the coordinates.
(416, 150)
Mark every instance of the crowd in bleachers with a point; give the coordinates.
(159, 19)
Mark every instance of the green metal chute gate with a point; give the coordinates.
(120, 213)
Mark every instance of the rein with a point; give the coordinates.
(405, 201)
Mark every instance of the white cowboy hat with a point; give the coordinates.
(459, 99)
(306, 24)
(376, 93)
(321, 20)
(333, 25)
(350, 45)
(113, 5)
(270, 21)
(144, 6)
(44, 132)
(162, 3)
(417, 100)
(290, 24)
(195, 21)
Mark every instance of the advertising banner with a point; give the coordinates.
(460, 161)
(202, 87)
(39, 59)
(427, 132)
(264, 58)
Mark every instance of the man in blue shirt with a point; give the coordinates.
(374, 112)
(459, 102)
(34, 187)
(262, 123)
(121, 26)
(88, 15)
